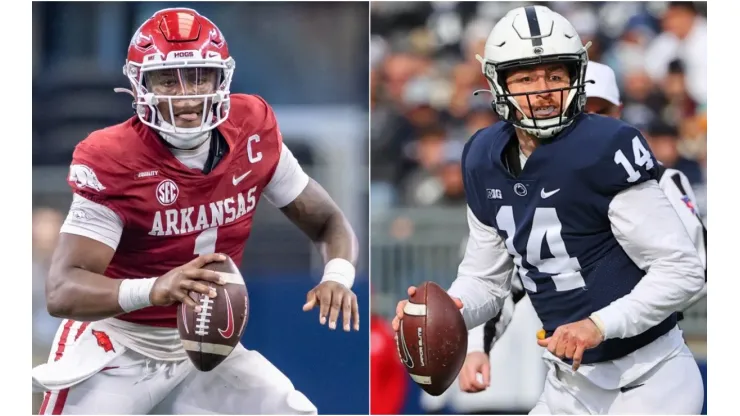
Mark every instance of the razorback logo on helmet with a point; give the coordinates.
(103, 340)
(84, 177)
(215, 35)
(141, 41)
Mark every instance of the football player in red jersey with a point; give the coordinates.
(155, 198)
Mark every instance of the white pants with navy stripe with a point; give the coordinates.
(673, 387)
(126, 382)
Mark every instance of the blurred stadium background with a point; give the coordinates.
(423, 73)
(309, 61)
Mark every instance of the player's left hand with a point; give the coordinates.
(333, 297)
(571, 340)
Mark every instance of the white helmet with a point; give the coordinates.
(528, 36)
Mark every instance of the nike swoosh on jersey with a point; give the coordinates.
(546, 195)
(229, 331)
(625, 389)
(236, 180)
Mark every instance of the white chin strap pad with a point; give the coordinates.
(185, 138)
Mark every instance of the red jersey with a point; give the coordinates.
(170, 212)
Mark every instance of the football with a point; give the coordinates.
(210, 335)
(432, 339)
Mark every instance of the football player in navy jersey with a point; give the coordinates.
(603, 98)
(571, 203)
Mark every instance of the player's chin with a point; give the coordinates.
(186, 123)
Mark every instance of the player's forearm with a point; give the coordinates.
(78, 294)
(650, 232)
(492, 330)
(316, 214)
(484, 275)
(475, 339)
(661, 292)
(696, 298)
(482, 298)
(339, 247)
(337, 240)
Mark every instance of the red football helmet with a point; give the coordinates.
(178, 54)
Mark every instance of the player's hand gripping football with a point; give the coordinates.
(571, 340)
(333, 297)
(175, 285)
(399, 308)
(475, 363)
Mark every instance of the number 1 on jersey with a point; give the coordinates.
(205, 243)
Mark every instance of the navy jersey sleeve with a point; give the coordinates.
(473, 194)
(625, 161)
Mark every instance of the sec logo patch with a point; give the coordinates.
(167, 192)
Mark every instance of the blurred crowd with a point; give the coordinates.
(424, 73)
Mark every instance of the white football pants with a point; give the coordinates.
(126, 382)
(672, 387)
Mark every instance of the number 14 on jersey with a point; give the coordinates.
(641, 157)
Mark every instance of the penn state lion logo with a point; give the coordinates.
(520, 189)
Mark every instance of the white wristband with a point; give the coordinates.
(599, 324)
(340, 271)
(133, 294)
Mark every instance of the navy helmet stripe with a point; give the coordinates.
(534, 26)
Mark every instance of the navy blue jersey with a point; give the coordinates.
(554, 217)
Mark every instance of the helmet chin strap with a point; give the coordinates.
(189, 138)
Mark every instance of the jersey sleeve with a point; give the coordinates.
(647, 227)
(677, 188)
(93, 220)
(288, 180)
(625, 161)
(97, 176)
(267, 144)
(475, 339)
(476, 202)
(484, 276)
